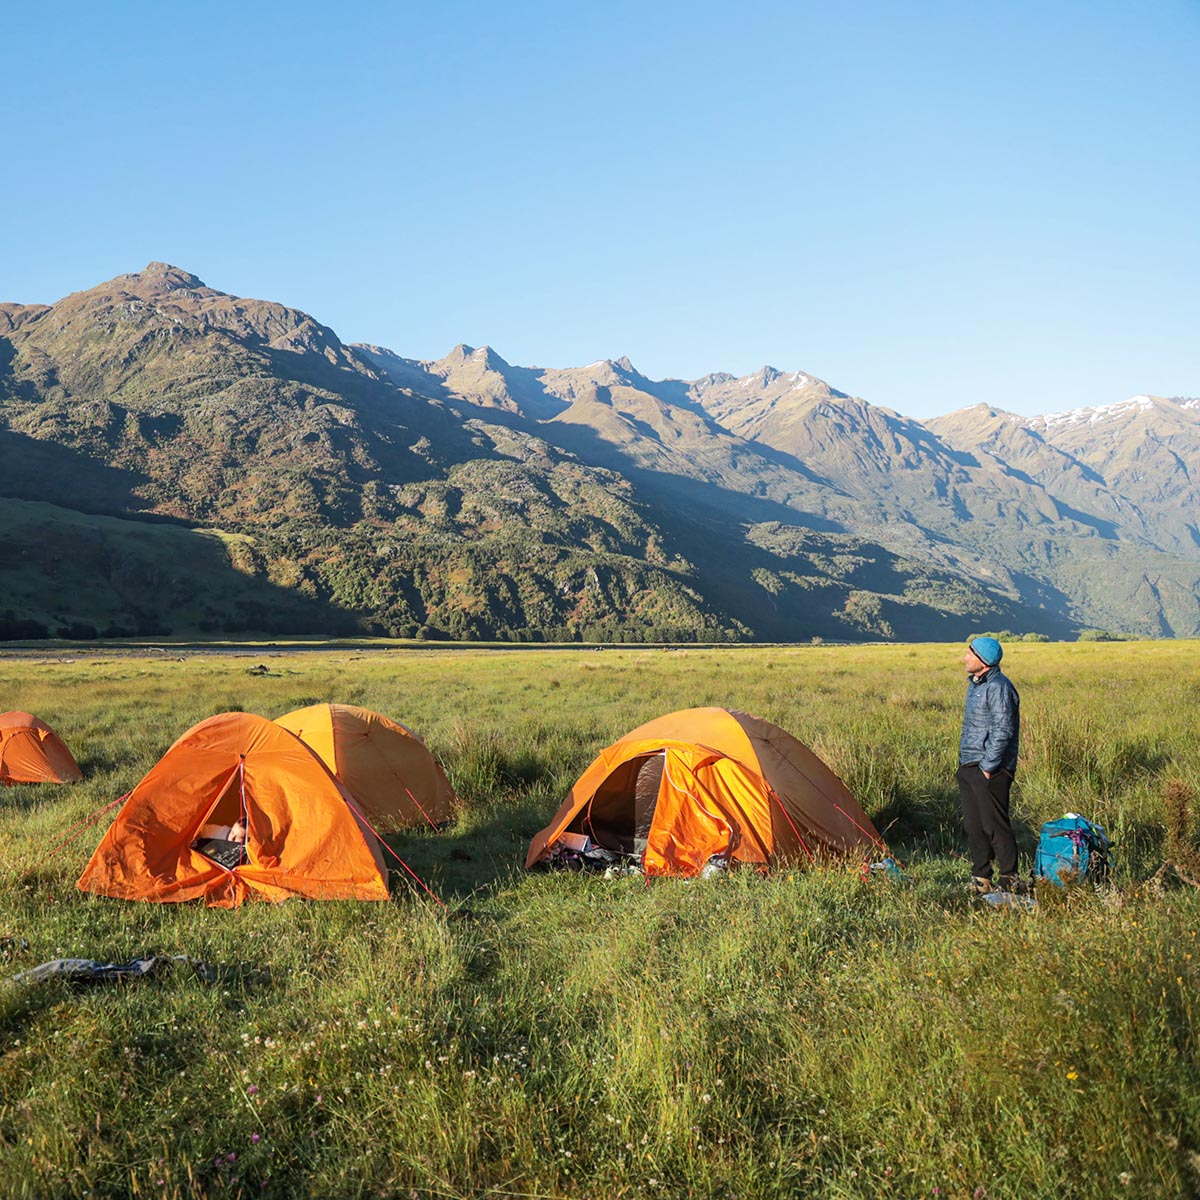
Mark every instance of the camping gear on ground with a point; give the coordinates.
(1072, 850)
(709, 781)
(89, 970)
(624, 868)
(303, 834)
(577, 852)
(385, 767)
(1017, 900)
(31, 752)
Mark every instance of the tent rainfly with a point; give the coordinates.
(710, 781)
(302, 835)
(31, 752)
(384, 766)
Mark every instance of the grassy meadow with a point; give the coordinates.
(803, 1034)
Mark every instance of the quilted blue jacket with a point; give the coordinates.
(991, 723)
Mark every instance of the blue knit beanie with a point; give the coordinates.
(988, 650)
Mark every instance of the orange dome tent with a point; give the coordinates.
(385, 767)
(302, 837)
(708, 781)
(31, 752)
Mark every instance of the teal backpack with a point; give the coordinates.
(1072, 850)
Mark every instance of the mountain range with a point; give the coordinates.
(173, 457)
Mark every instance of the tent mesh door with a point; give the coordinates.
(645, 799)
(622, 808)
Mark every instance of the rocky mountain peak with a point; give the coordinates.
(464, 358)
(714, 380)
(487, 358)
(169, 276)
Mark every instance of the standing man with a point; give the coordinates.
(987, 757)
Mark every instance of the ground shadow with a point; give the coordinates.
(34, 469)
(931, 824)
(461, 862)
(90, 574)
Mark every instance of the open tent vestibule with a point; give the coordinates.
(708, 782)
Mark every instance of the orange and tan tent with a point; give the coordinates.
(709, 781)
(31, 752)
(301, 836)
(384, 766)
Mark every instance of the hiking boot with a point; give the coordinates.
(1016, 885)
(981, 885)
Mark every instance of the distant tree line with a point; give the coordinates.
(1007, 635)
(1085, 635)
(21, 629)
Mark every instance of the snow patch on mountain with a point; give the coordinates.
(1094, 416)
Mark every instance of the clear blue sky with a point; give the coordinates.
(927, 204)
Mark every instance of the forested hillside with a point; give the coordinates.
(195, 462)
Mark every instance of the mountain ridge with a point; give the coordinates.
(470, 496)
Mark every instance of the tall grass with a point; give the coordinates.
(806, 1033)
